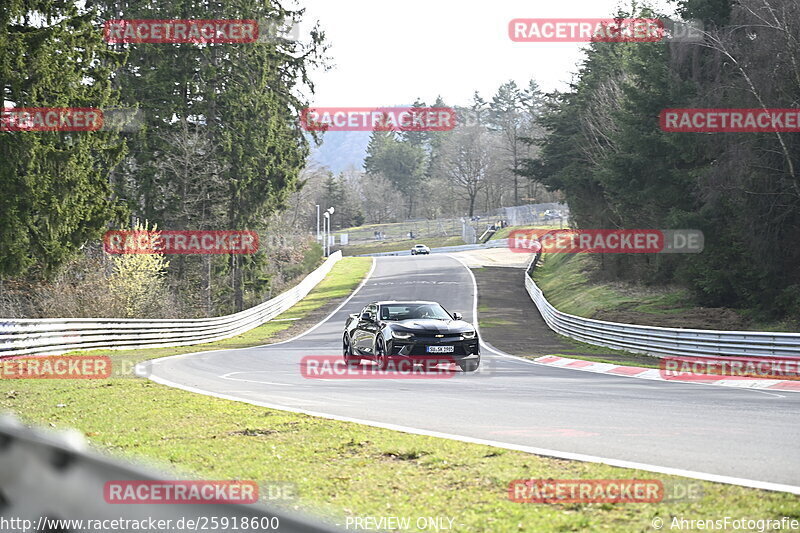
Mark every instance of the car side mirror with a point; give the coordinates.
(368, 317)
(458, 316)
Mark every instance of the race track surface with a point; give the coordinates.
(709, 431)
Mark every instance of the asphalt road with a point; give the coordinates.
(709, 431)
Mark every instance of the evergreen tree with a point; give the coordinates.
(56, 195)
(402, 163)
(243, 97)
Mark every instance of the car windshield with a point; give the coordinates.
(411, 311)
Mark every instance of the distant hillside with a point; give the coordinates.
(341, 150)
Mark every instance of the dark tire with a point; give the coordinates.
(381, 357)
(347, 351)
(469, 366)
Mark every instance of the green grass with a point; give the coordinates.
(340, 467)
(494, 322)
(343, 469)
(399, 245)
(564, 281)
(595, 349)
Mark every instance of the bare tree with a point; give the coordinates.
(188, 179)
(467, 161)
(189, 185)
(758, 29)
(381, 201)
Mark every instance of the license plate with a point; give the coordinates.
(440, 349)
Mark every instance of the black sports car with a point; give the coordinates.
(423, 333)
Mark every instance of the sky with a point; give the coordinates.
(389, 52)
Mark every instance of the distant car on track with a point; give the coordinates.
(420, 249)
(420, 332)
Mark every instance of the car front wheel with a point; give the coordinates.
(347, 350)
(381, 357)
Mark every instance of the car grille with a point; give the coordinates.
(419, 345)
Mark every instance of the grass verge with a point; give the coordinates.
(563, 279)
(566, 280)
(343, 469)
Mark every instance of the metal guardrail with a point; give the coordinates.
(54, 336)
(660, 341)
(47, 477)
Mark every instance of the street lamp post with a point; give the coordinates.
(325, 217)
(326, 245)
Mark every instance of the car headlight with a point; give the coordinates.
(468, 334)
(401, 334)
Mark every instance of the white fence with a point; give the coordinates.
(663, 341)
(54, 336)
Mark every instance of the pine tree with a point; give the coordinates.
(242, 97)
(56, 195)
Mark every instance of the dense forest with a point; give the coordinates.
(605, 151)
(202, 136)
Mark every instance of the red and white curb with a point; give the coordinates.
(656, 374)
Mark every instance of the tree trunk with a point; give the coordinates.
(208, 285)
(236, 282)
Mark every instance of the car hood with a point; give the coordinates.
(419, 325)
